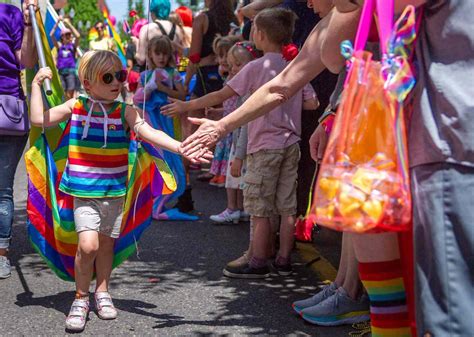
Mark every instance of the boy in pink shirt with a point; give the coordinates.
(272, 151)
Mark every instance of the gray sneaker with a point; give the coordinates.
(5, 268)
(327, 291)
(338, 309)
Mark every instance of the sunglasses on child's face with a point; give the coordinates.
(120, 75)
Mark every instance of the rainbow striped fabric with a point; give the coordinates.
(97, 161)
(50, 211)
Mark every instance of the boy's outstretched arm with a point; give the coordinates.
(53, 116)
(212, 99)
(157, 137)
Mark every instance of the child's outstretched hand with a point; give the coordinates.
(42, 74)
(203, 155)
(175, 108)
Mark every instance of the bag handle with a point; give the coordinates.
(385, 15)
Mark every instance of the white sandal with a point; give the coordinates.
(104, 305)
(76, 320)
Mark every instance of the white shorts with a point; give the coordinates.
(103, 215)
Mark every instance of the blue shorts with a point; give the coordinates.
(443, 226)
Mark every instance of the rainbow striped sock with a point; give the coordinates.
(388, 308)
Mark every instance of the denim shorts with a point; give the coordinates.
(68, 79)
(103, 215)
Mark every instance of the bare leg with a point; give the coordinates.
(240, 200)
(232, 199)
(103, 262)
(261, 235)
(287, 235)
(376, 247)
(274, 228)
(350, 280)
(379, 265)
(251, 236)
(343, 262)
(84, 262)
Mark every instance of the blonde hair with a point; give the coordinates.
(161, 44)
(96, 63)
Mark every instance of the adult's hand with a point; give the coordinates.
(26, 9)
(318, 143)
(207, 135)
(203, 157)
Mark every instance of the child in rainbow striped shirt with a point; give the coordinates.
(96, 170)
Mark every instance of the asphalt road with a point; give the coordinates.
(173, 286)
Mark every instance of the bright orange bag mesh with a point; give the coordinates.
(363, 184)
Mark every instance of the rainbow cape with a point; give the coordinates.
(50, 212)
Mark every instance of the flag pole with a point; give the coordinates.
(39, 48)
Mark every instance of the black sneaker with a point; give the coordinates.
(282, 270)
(247, 272)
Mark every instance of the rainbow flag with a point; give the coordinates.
(49, 22)
(50, 212)
(113, 33)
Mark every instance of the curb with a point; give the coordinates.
(315, 261)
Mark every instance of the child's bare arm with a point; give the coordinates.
(50, 117)
(156, 137)
(211, 99)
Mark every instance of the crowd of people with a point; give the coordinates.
(250, 90)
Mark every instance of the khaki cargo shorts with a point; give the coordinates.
(103, 215)
(270, 182)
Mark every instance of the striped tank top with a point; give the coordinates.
(97, 164)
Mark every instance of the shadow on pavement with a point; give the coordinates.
(178, 271)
